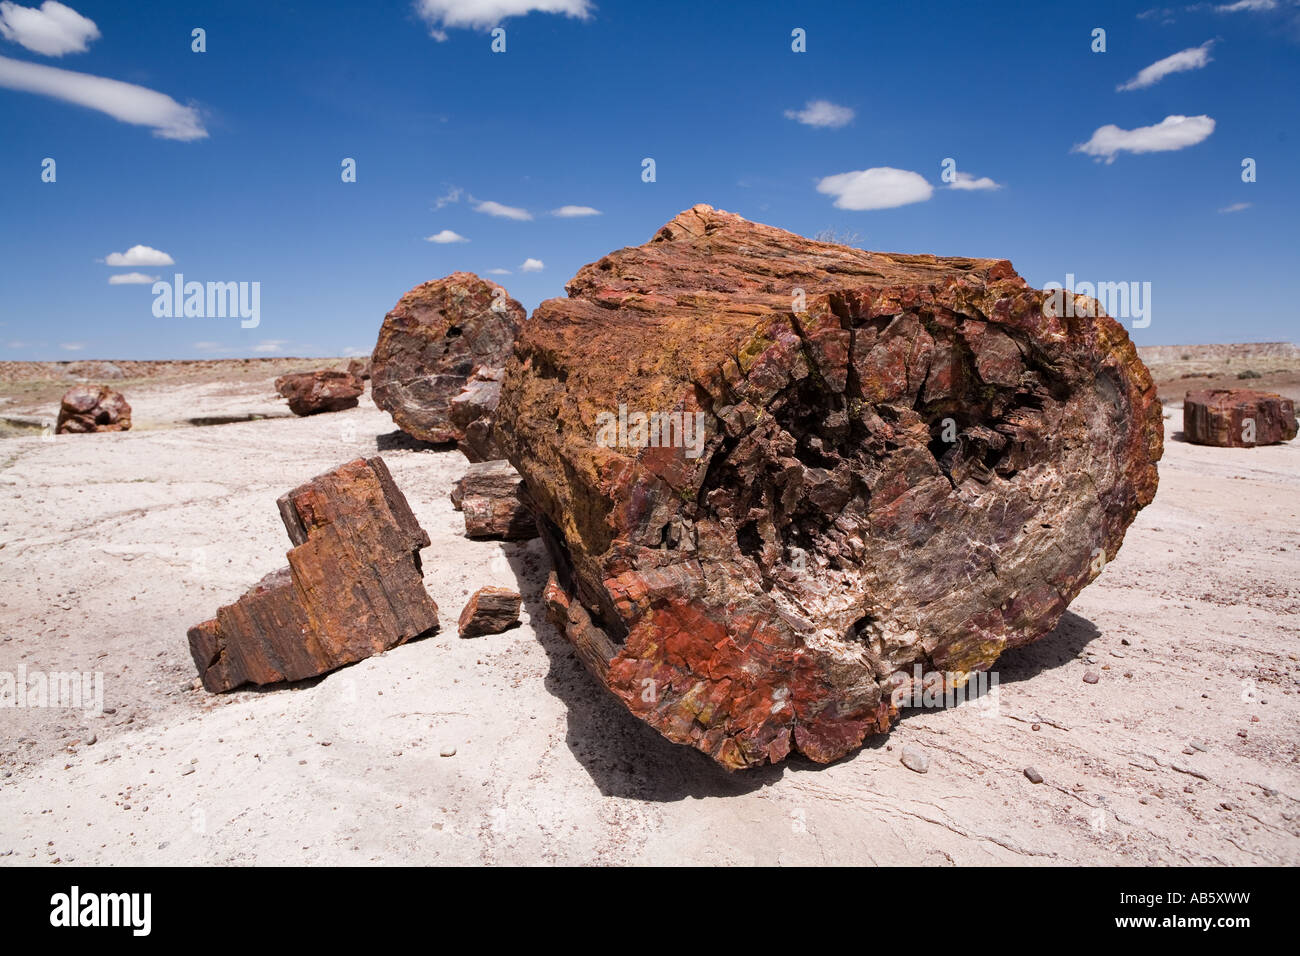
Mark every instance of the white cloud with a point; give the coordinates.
(53, 30)
(131, 278)
(353, 352)
(1247, 5)
(1236, 207)
(442, 15)
(498, 272)
(532, 265)
(122, 101)
(452, 195)
(821, 113)
(572, 212)
(503, 212)
(446, 236)
(967, 181)
(270, 345)
(72, 346)
(1193, 58)
(1172, 132)
(139, 256)
(881, 187)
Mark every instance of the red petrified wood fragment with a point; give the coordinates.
(1237, 418)
(93, 408)
(325, 390)
(901, 460)
(354, 586)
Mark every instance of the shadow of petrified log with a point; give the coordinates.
(894, 460)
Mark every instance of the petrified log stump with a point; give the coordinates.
(904, 460)
(360, 367)
(325, 390)
(430, 345)
(354, 586)
(490, 610)
(92, 408)
(472, 411)
(495, 503)
(1237, 418)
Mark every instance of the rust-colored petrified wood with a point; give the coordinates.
(490, 610)
(430, 346)
(354, 586)
(324, 390)
(494, 501)
(905, 460)
(93, 408)
(1237, 417)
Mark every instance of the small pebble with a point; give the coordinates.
(447, 752)
(1033, 776)
(914, 758)
(1091, 677)
(1036, 727)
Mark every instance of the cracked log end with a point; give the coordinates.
(430, 346)
(921, 464)
(354, 586)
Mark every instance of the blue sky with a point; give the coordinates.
(228, 161)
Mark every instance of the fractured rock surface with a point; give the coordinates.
(325, 390)
(354, 586)
(495, 503)
(92, 408)
(1237, 418)
(430, 346)
(906, 460)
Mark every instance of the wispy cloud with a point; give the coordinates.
(72, 346)
(52, 30)
(573, 212)
(499, 272)
(502, 212)
(451, 196)
(822, 113)
(443, 15)
(881, 187)
(1237, 207)
(122, 101)
(1193, 58)
(139, 256)
(968, 182)
(1171, 133)
(270, 345)
(446, 236)
(532, 265)
(1242, 5)
(131, 278)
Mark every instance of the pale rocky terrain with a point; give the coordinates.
(1186, 751)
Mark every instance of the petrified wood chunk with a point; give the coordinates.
(495, 502)
(472, 411)
(904, 460)
(490, 610)
(354, 586)
(360, 367)
(1237, 418)
(92, 408)
(431, 343)
(325, 390)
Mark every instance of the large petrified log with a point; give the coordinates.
(899, 460)
(354, 586)
(431, 344)
(92, 408)
(1237, 417)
